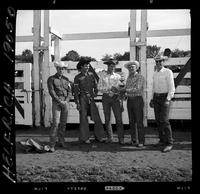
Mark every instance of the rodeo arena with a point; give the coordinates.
(92, 160)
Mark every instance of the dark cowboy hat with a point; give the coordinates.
(167, 52)
(82, 62)
(110, 62)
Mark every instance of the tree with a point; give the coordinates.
(87, 58)
(74, 56)
(152, 51)
(180, 53)
(106, 57)
(126, 56)
(117, 56)
(26, 56)
(71, 56)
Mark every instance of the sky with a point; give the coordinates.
(89, 21)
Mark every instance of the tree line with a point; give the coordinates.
(27, 55)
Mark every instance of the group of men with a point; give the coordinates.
(86, 87)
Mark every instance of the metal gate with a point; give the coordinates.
(23, 94)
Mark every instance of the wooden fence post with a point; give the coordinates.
(36, 73)
(143, 60)
(57, 48)
(46, 71)
(133, 35)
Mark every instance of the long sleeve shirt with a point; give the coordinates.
(163, 82)
(84, 84)
(107, 81)
(135, 85)
(59, 88)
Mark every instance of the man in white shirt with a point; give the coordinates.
(162, 92)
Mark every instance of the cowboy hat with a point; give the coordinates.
(60, 64)
(160, 58)
(127, 65)
(82, 62)
(110, 62)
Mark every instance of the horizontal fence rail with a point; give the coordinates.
(110, 35)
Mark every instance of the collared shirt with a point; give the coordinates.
(135, 85)
(59, 88)
(163, 82)
(84, 84)
(107, 81)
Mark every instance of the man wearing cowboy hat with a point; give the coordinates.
(162, 92)
(134, 91)
(109, 84)
(85, 89)
(60, 91)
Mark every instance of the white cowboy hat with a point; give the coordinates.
(60, 64)
(127, 65)
(160, 58)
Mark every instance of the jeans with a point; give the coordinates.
(114, 103)
(161, 111)
(58, 127)
(85, 105)
(135, 107)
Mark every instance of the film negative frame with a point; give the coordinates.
(8, 174)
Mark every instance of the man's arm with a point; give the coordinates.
(52, 91)
(170, 80)
(101, 84)
(68, 88)
(151, 104)
(76, 90)
(95, 86)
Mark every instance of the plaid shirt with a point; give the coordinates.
(106, 81)
(135, 85)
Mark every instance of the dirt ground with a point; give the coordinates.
(100, 162)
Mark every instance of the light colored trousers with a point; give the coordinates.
(59, 114)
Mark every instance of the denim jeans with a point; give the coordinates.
(161, 111)
(114, 104)
(86, 105)
(59, 114)
(135, 107)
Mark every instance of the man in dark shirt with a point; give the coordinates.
(60, 91)
(85, 89)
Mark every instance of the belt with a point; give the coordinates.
(107, 94)
(62, 97)
(131, 97)
(160, 94)
(85, 93)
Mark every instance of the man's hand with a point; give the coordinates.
(167, 102)
(67, 100)
(122, 89)
(78, 107)
(62, 103)
(114, 89)
(151, 104)
(111, 94)
(95, 95)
